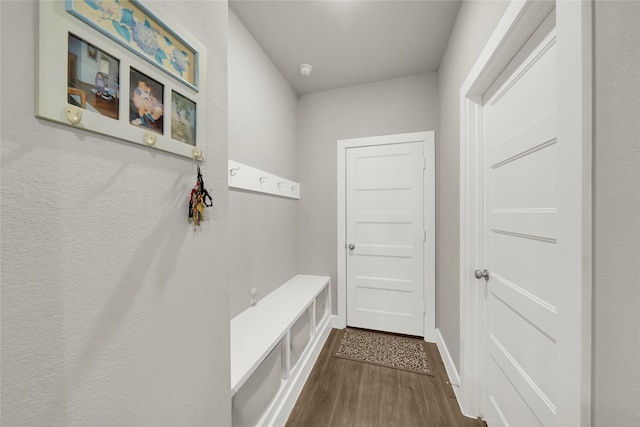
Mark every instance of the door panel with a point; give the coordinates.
(521, 173)
(396, 234)
(509, 260)
(384, 209)
(387, 268)
(379, 200)
(523, 183)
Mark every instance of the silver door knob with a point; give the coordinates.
(352, 247)
(484, 274)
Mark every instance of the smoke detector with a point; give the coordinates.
(305, 69)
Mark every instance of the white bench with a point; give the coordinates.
(274, 345)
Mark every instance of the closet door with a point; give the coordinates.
(384, 236)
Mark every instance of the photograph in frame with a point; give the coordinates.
(92, 84)
(183, 119)
(129, 23)
(145, 102)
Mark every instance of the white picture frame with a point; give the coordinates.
(82, 96)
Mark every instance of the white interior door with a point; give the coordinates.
(384, 237)
(522, 169)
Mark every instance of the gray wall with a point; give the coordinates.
(475, 23)
(616, 383)
(394, 106)
(262, 123)
(114, 311)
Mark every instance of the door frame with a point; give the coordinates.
(574, 74)
(428, 140)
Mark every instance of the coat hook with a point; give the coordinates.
(74, 114)
(293, 188)
(197, 155)
(263, 179)
(280, 184)
(150, 138)
(233, 171)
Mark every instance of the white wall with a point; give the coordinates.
(262, 123)
(616, 383)
(475, 23)
(114, 311)
(393, 106)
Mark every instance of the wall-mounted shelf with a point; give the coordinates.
(252, 179)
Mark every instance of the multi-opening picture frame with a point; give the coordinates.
(90, 80)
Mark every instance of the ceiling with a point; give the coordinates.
(349, 42)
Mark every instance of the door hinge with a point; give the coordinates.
(424, 235)
(424, 163)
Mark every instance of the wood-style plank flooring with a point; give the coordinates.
(341, 393)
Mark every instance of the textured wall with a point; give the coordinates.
(616, 382)
(393, 106)
(114, 311)
(262, 126)
(475, 23)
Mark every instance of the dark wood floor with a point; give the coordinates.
(342, 392)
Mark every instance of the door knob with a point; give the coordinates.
(484, 274)
(352, 246)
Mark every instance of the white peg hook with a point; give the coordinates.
(74, 114)
(197, 155)
(150, 138)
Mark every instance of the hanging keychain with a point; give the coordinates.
(199, 199)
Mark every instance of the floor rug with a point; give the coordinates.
(382, 349)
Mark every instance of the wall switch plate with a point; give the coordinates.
(254, 296)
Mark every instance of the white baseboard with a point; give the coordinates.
(452, 372)
(280, 414)
(334, 322)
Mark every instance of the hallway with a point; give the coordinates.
(116, 309)
(341, 393)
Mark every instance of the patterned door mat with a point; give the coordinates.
(383, 349)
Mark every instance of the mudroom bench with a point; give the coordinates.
(274, 345)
